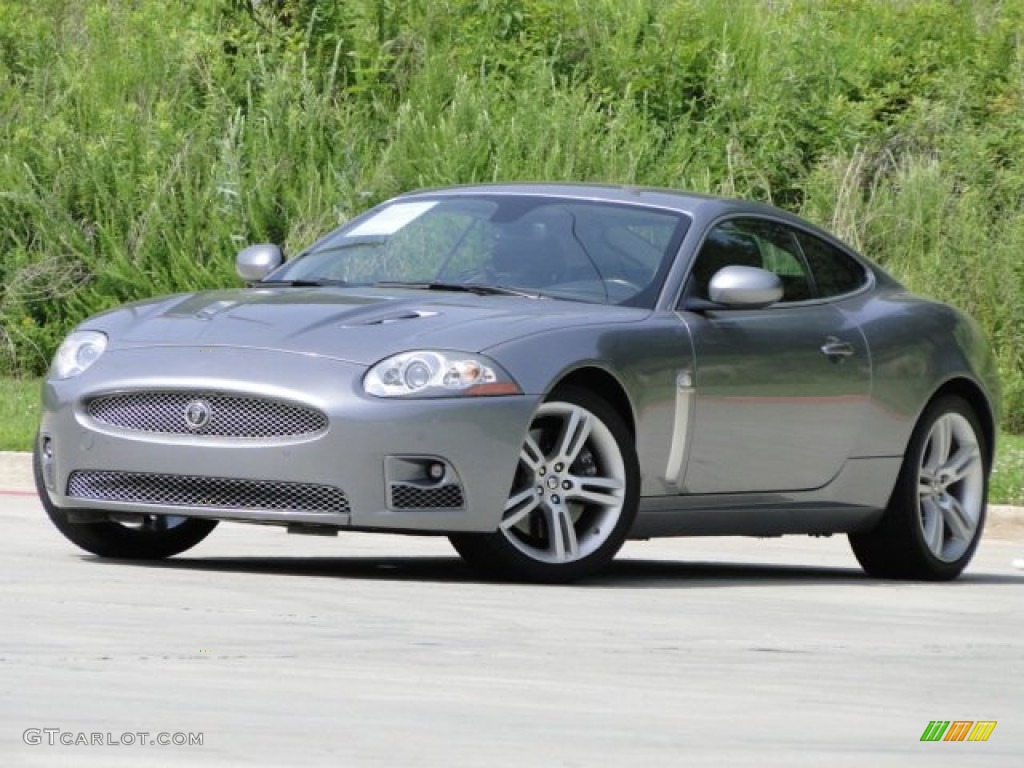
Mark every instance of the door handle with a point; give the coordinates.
(836, 350)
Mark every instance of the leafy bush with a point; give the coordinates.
(144, 142)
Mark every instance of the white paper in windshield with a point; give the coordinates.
(391, 219)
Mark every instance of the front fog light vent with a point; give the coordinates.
(426, 482)
(47, 463)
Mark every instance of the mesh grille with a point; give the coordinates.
(414, 497)
(191, 491)
(222, 415)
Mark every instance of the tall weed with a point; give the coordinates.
(143, 143)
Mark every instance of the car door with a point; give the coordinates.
(780, 392)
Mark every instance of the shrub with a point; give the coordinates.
(133, 169)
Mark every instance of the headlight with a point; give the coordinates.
(78, 351)
(438, 374)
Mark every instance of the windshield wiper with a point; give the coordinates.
(479, 289)
(303, 283)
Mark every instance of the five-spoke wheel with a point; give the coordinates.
(573, 498)
(951, 487)
(935, 516)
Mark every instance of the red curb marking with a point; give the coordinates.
(17, 493)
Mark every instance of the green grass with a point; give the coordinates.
(1007, 484)
(19, 415)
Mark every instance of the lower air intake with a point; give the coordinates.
(406, 496)
(193, 491)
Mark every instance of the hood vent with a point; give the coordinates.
(394, 317)
(210, 311)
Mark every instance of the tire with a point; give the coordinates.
(577, 474)
(154, 538)
(936, 514)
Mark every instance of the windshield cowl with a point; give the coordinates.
(479, 289)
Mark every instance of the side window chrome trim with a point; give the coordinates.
(869, 282)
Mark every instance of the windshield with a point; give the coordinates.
(542, 246)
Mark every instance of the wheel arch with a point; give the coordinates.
(975, 397)
(605, 386)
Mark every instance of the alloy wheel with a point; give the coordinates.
(569, 488)
(950, 486)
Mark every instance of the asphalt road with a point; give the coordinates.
(383, 650)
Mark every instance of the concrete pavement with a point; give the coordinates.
(366, 650)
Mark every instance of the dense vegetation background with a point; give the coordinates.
(142, 143)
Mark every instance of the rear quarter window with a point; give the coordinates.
(835, 272)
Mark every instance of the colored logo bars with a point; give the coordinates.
(958, 730)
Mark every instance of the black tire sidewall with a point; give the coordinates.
(112, 540)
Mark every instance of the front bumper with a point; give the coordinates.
(370, 447)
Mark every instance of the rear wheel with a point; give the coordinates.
(574, 495)
(137, 537)
(937, 511)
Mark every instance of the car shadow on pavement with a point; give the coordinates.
(628, 573)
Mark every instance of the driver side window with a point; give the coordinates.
(752, 243)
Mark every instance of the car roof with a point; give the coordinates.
(702, 209)
(691, 203)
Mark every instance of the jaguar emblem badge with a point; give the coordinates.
(197, 415)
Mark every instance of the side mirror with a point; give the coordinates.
(744, 288)
(257, 261)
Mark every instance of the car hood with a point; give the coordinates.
(357, 325)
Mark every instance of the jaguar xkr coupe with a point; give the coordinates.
(538, 372)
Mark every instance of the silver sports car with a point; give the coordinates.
(538, 372)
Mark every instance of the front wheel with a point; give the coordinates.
(573, 499)
(146, 537)
(937, 511)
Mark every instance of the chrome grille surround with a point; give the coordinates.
(407, 496)
(227, 415)
(205, 492)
